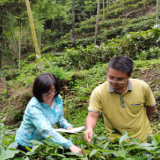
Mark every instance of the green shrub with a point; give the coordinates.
(86, 57)
(58, 72)
(47, 49)
(119, 10)
(123, 148)
(17, 116)
(31, 57)
(120, 31)
(11, 74)
(130, 45)
(152, 53)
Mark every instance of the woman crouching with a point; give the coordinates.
(42, 112)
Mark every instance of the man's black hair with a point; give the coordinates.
(43, 83)
(122, 63)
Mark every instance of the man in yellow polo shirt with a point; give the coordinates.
(126, 104)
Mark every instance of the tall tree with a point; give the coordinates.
(157, 11)
(144, 4)
(1, 41)
(73, 22)
(97, 21)
(103, 9)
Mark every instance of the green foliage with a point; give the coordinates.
(81, 57)
(152, 53)
(11, 73)
(17, 116)
(29, 71)
(47, 49)
(143, 23)
(59, 46)
(130, 45)
(139, 45)
(121, 27)
(3, 95)
(122, 3)
(119, 10)
(120, 31)
(31, 57)
(100, 148)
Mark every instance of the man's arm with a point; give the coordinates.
(149, 111)
(90, 125)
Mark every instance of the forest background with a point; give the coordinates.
(76, 45)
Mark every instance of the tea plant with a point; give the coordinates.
(123, 148)
(130, 45)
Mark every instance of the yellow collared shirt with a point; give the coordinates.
(124, 111)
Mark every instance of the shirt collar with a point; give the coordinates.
(44, 105)
(111, 89)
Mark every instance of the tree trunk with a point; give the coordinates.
(14, 44)
(97, 21)
(73, 22)
(103, 10)
(20, 35)
(157, 11)
(3, 82)
(1, 40)
(44, 35)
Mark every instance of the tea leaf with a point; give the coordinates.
(75, 154)
(8, 154)
(106, 145)
(157, 138)
(92, 153)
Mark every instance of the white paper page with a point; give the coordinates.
(74, 130)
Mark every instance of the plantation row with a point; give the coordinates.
(106, 35)
(100, 148)
(137, 45)
(120, 31)
(123, 10)
(88, 25)
(122, 3)
(132, 45)
(112, 24)
(92, 20)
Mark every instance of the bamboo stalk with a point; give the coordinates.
(144, 3)
(39, 30)
(103, 10)
(38, 53)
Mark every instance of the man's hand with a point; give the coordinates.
(88, 134)
(90, 125)
(76, 149)
(69, 128)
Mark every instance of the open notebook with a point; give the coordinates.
(74, 130)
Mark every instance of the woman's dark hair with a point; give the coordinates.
(43, 83)
(122, 63)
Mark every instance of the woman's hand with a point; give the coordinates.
(69, 128)
(76, 149)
